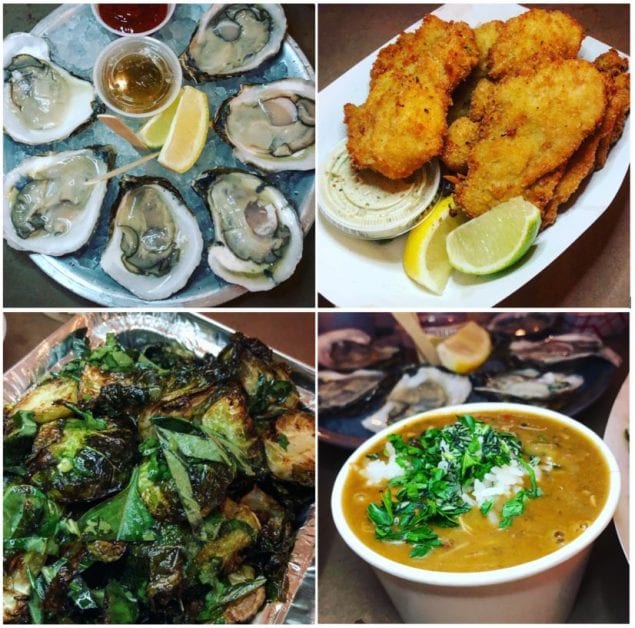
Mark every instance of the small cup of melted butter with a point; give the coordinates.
(510, 556)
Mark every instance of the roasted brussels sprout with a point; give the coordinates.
(238, 531)
(290, 448)
(46, 401)
(138, 483)
(267, 382)
(160, 494)
(227, 417)
(82, 458)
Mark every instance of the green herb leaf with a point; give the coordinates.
(438, 467)
(283, 441)
(123, 517)
(122, 607)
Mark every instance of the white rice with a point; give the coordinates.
(380, 471)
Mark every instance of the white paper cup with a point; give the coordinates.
(539, 591)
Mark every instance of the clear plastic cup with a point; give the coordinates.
(126, 102)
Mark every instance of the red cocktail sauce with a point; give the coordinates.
(133, 18)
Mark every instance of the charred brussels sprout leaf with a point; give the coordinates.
(267, 382)
(46, 401)
(222, 594)
(123, 517)
(200, 468)
(82, 459)
(20, 429)
(290, 448)
(227, 422)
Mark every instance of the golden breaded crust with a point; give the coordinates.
(402, 125)
(486, 35)
(531, 39)
(462, 134)
(532, 126)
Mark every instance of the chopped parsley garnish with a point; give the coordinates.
(439, 467)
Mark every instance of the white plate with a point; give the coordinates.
(615, 438)
(357, 273)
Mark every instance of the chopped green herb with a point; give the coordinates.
(439, 467)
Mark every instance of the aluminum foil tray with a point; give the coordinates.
(200, 335)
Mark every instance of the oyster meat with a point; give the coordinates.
(155, 242)
(272, 126)
(340, 391)
(42, 102)
(530, 385)
(234, 38)
(48, 208)
(562, 348)
(425, 388)
(349, 349)
(257, 234)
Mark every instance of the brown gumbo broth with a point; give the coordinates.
(573, 494)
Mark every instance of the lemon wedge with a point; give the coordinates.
(495, 240)
(155, 131)
(188, 131)
(465, 350)
(425, 257)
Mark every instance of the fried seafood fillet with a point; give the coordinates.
(532, 126)
(531, 39)
(462, 135)
(615, 70)
(402, 124)
(485, 36)
(593, 152)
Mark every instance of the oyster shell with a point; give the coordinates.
(530, 384)
(424, 388)
(338, 392)
(42, 102)
(272, 126)
(232, 39)
(257, 234)
(349, 349)
(47, 206)
(562, 348)
(155, 242)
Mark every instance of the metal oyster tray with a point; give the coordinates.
(200, 335)
(80, 272)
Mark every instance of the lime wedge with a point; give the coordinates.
(425, 258)
(155, 131)
(495, 240)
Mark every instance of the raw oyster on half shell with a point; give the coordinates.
(272, 126)
(42, 102)
(155, 242)
(424, 388)
(48, 208)
(349, 349)
(234, 38)
(562, 348)
(530, 385)
(258, 238)
(338, 392)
